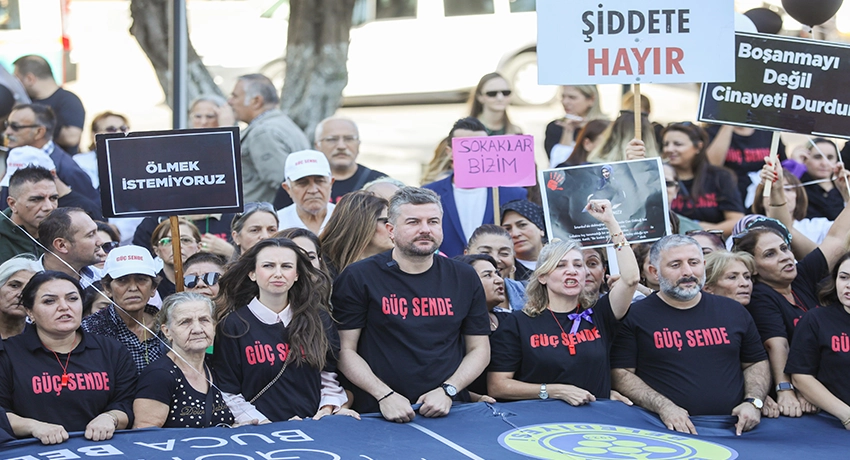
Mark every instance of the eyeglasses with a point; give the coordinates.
(210, 279)
(671, 183)
(115, 129)
(333, 140)
(16, 127)
(106, 247)
(184, 240)
(503, 92)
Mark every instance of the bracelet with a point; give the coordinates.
(778, 205)
(114, 418)
(386, 395)
(846, 422)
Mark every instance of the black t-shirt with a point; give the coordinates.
(746, 154)
(339, 188)
(249, 354)
(554, 131)
(821, 348)
(718, 194)
(101, 377)
(78, 200)
(693, 357)
(69, 111)
(163, 381)
(822, 203)
(773, 314)
(537, 350)
(412, 325)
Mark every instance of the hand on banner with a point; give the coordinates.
(348, 413)
(101, 427)
(571, 394)
(396, 408)
(677, 419)
(556, 178)
(49, 433)
(600, 210)
(770, 409)
(435, 403)
(636, 150)
(748, 417)
(788, 404)
(617, 396)
(808, 408)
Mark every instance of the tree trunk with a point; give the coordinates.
(151, 29)
(316, 53)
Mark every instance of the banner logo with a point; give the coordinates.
(605, 442)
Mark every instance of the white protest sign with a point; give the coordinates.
(635, 41)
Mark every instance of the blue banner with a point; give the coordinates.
(531, 429)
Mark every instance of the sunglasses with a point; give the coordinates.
(16, 127)
(671, 183)
(183, 240)
(503, 92)
(106, 247)
(210, 279)
(115, 129)
(251, 208)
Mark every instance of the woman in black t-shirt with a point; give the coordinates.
(532, 353)
(820, 351)
(55, 378)
(274, 301)
(177, 391)
(707, 194)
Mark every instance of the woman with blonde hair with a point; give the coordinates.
(440, 165)
(356, 230)
(489, 103)
(730, 274)
(532, 353)
(581, 105)
(618, 143)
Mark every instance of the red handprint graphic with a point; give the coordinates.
(556, 178)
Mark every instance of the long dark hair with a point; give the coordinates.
(31, 289)
(591, 131)
(306, 299)
(827, 295)
(700, 165)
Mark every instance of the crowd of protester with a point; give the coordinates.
(340, 291)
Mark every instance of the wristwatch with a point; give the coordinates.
(543, 393)
(784, 386)
(450, 389)
(758, 403)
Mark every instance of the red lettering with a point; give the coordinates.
(621, 63)
(36, 384)
(535, 341)
(659, 342)
(80, 379)
(725, 336)
(641, 59)
(449, 311)
(716, 336)
(593, 61)
(698, 335)
(674, 57)
(689, 335)
(89, 381)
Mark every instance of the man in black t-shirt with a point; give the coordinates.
(339, 140)
(413, 325)
(37, 77)
(684, 352)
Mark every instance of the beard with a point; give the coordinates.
(677, 292)
(411, 249)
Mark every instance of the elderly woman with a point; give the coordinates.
(577, 370)
(55, 378)
(14, 275)
(190, 243)
(177, 390)
(730, 274)
(820, 351)
(130, 282)
(274, 302)
(356, 230)
(258, 222)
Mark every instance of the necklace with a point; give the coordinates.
(64, 382)
(565, 339)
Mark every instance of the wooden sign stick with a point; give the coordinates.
(176, 255)
(638, 112)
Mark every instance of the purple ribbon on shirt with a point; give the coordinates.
(577, 317)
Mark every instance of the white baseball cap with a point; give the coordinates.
(131, 260)
(21, 157)
(306, 163)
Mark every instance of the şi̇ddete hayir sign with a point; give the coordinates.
(170, 172)
(624, 41)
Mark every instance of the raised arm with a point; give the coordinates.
(633, 387)
(834, 244)
(719, 146)
(394, 406)
(777, 209)
(623, 291)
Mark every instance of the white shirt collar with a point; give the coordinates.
(48, 148)
(266, 316)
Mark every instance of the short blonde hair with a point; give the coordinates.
(717, 262)
(536, 292)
